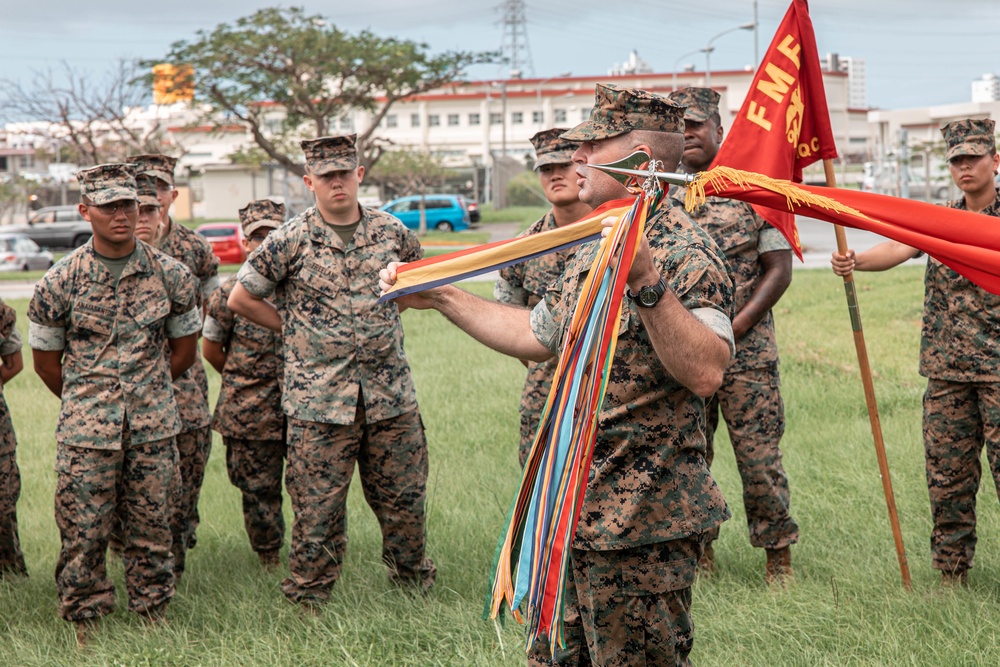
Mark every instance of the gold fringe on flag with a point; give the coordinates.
(794, 195)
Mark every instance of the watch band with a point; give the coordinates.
(649, 295)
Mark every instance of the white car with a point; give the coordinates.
(19, 253)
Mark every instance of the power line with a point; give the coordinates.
(514, 46)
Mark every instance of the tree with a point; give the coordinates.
(313, 72)
(408, 173)
(90, 113)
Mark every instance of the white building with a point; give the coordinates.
(857, 83)
(986, 89)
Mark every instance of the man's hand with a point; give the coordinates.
(643, 271)
(843, 264)
(424, 300)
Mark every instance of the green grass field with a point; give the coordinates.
(847, 606)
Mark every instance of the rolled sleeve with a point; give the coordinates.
(185, 324)
(213, 331)
(507, 292)
(719, 324)
(545, 328)
(255, 283)
(49, 339)
(12, 344)
(771, 239)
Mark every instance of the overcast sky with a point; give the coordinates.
(917, 52)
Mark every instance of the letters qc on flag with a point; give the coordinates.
(532, 556)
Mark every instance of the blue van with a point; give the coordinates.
(446, 213)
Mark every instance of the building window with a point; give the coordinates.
(346, 123)
(584, 114)
(496, 119)
(537, 117)
(414, 120)
(391, 120)
(517, 118)
(473, 119)
(560, 116)
(453, 120)
(434, 120)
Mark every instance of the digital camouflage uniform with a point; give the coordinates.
(117, 421)
(11, 558)
(194, 442)
(959, 341)
(650, 498)
(750, 395)
(524, 284)
(248, 412)
(347, 390)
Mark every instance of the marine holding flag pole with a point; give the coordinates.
(782, 127)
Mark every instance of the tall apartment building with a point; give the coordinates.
(857, 86)
(986, 89)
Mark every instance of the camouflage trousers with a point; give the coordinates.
(255, 468)
(575, 654)
(391, 456)
(193, 448)
(87, 492)
(636, 603)
(750, 402)
(11, 558)
(959, 417)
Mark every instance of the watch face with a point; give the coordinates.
(648, 297)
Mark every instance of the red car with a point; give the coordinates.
(226, 239)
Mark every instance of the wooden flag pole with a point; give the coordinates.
(866, 379)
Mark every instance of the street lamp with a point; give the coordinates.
(709, 48)
(538, 103)
(677, 64)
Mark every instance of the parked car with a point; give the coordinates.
(473, 208)
(56, 227)
(226, 239)
(19, 253)
(445, 213)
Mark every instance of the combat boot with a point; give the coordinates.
(85, 632)
(778, 569)
(706, 564)
(957, 578)
(269, 560)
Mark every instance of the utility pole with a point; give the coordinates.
(514, 46)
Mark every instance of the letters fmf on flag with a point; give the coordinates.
(784, 124)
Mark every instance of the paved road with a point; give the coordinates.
(817, 237)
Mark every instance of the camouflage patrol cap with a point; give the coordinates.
(551, 148)
(620, 110)
(972, 136)
(261, 213)
(701, 103)
(328, 154)
(145, 187)
(107, 183)
(160, 166)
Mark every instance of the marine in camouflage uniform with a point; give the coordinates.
(348, 392)
(959, 339)
(650, 499)
(959, 344)
(99, 321)
(524, 285)
(11, 558)
(760, 263)
(248, 412)
(194, 442)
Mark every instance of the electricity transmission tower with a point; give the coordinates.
(514, 46)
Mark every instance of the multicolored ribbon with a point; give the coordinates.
(532, 557)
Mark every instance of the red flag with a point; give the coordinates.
(967, 242)
(784, 123)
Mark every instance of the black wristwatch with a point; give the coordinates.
(649, 295)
